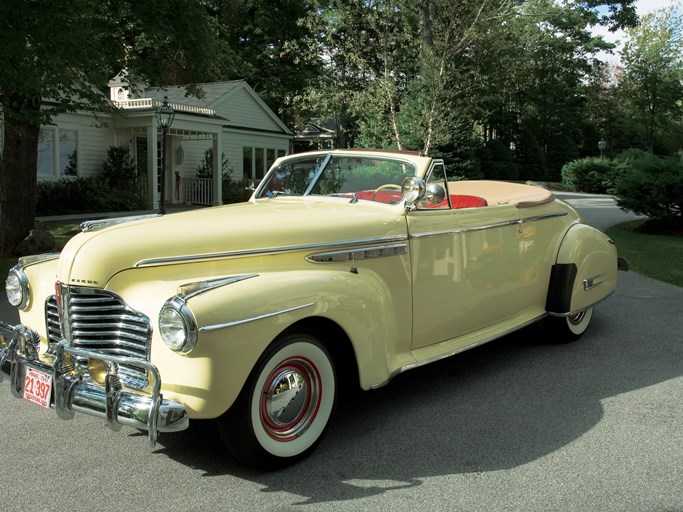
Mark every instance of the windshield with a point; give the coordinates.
(351, 176)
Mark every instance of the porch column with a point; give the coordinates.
(152, 169)
(217, 166)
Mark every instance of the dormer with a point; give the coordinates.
(121, 90)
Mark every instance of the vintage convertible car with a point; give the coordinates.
(344, 266)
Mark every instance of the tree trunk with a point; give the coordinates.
(18, 166)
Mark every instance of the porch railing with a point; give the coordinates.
(198, 191)
(153, 103)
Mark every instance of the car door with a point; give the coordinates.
(472, 268)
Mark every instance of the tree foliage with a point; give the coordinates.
(506, 89)
(652, 86)
(58, 55)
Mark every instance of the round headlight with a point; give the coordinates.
(413, 189)
(16, 287)
(177, 327)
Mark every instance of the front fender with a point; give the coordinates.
(585, 271)
(238, 321)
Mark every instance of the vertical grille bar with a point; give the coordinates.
(101, 321)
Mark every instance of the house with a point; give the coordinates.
(317, 134)
(231, 119)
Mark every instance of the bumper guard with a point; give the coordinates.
(72, 393)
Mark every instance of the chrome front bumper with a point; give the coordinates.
(72, 393)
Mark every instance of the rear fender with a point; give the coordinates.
(585, 271)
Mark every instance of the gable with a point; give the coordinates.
(244, 109)
(234, 101)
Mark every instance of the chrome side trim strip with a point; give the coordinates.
(189, 290)
(434, 359)
(592, 282)
(488, 226)
(267, 251)
(215, 327)
(359, 254)
(593, 304)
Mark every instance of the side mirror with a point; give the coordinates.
(435, 193)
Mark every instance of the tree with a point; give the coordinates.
(537, 106)
(391, 67)
(653, 79)
(58, 55)
(259, 35)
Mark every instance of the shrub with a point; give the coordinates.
(236, 191)
(653, 186)
(118, 169)
(205, 167)
(592, 175)
(84, 195)
(115, 189)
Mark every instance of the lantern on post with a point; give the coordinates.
(164, 115)
(601, 146)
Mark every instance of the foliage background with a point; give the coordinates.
(504, 89)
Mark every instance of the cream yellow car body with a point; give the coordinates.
(400, 286)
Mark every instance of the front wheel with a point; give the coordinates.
(569, 328)
(284, 408)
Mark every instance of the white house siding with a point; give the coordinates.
(93, 140)
(242, 109)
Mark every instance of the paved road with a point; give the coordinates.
(515, 425)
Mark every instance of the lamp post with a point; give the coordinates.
(164, 115)
(601, 146)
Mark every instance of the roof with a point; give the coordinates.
(177, 93)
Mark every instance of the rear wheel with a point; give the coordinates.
(569, 328)
(285, 406)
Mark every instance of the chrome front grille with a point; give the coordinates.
(101, 321)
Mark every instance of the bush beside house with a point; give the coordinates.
(117, 188)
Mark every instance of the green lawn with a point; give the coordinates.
(656, 256)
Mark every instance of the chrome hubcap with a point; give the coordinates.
(290, 399)
(577, 318)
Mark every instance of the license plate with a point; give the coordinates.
(38, 387)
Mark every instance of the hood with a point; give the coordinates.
(92, 258)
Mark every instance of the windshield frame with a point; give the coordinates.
(415, 167)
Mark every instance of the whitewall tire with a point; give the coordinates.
(569, 328)
(285, 406)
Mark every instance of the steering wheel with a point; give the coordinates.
(386, 186)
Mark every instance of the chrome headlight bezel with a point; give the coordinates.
(17, 289)
(177, 326)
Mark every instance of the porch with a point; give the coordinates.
(138, 127)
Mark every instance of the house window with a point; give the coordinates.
(257, 161)
(56, 159)
(259, 164)
(248, 162)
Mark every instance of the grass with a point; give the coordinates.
(657, 256)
